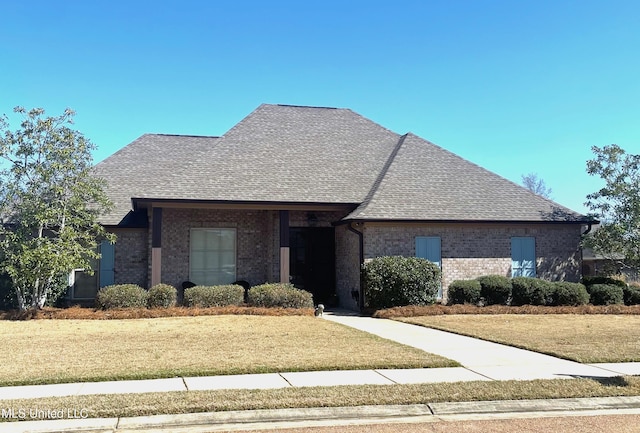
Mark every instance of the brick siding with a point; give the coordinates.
(472, 250)
(131, 257)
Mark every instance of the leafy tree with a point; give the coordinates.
(49, 205)
(534, 184)
(617, 205)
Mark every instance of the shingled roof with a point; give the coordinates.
(293, 154)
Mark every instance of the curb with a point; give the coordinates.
(270, 418)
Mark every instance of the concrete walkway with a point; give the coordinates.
(484, 359)
(480, 360)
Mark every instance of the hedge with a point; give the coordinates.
(606, 294)
(569, 294)
(531, 291)
(122, 296)
(495, 289)
(395, 281)
(279, 295)
(213, 296)
(464, 292)
(632, 294)
(162, 296)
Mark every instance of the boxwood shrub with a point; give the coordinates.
(213, 296)
(279, 295)
(395, 281)
(632, 294)
(531, 291)
(464, 292)
(122, 296)
(606, 294)
(599, 279)
(495, 289)
(162, 296)
(565, 293)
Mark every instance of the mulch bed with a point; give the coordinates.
(438, 309)
(77, 312)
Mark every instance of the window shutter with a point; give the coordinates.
(523, 257)
(429, 247)
(107, 264)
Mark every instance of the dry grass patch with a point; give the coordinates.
(208, 401)
(582, 338)
(49, 351)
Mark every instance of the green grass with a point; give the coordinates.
(55, 351)
(582, 338)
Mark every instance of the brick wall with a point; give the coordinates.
(131, 257)
(254, 241)
(471, 250)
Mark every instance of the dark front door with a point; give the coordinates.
(313, 261)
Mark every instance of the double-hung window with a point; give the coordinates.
(212, 258)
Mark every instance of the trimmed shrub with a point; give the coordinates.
(531, 291)
(122, 296)
(495, 289)
(569, 293)
(632, 294)
(162, 296)
(213, 296)
(598, 279)
(397, 281)
(464, 292)
(605, 294)
(279, 295)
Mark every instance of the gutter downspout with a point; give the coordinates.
(361, 250)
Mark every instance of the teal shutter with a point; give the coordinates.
(107, 264)
(428, 247)
(523, 257)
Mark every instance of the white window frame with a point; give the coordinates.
(235, 254)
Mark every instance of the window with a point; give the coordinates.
(213, 256)
(523, 257)
(429, 248)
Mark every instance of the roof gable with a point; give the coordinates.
(426, 182)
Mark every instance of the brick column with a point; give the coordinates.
(284, 246)
(156, 247)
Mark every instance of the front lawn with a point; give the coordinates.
(583, 338)
(52, 351)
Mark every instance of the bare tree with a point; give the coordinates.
(535, 184)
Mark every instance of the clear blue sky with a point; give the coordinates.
(515, 86)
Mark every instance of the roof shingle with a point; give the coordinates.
(318, 155)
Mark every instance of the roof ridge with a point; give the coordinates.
(308, 106)
(183, 135)
(380, 177)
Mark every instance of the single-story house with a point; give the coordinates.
(307, 194)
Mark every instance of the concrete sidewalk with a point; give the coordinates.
(489, 360)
